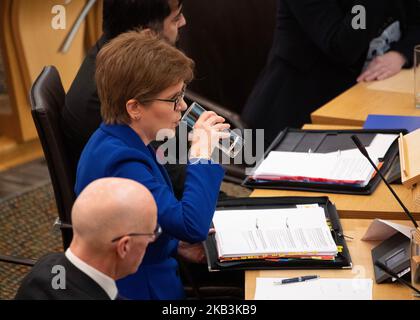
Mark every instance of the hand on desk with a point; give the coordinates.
(383, 67)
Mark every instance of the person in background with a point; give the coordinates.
(318, 53)
(141, 81)
(81, 114)
(114, 220)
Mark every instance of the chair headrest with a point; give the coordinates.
(47, 91)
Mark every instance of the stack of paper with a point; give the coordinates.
(380, 230)
(314, 167)
(342, 167)
(268, 233)
(320, 289)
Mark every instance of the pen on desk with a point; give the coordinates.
(343, 235)
(297, 279)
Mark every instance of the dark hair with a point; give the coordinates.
(124, 15)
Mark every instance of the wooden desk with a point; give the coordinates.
(310, 126)
(381, 204)
(362, 266)
(353, 106)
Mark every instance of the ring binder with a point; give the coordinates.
(326, 141)
(342, 260)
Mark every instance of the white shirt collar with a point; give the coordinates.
(106, 283)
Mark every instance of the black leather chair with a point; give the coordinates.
(17, 261)
(47, 100)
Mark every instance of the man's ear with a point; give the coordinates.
(123, 247)
(134, 109)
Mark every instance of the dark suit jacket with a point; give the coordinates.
(81, 116)
(37, 285)
(316, 55)
(82, 111)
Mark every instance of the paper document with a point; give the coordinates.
(292, 231)
(377, 148)
(381, 230)
(317, 167)
(342, 166)
(320, 289)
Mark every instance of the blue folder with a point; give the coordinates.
(377, 121)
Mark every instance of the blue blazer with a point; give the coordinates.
(117, 151)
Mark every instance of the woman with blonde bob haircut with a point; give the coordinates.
(141, 82)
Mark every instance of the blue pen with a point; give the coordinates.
(297, 279)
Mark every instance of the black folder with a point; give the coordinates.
(325, 141)
(343, 259)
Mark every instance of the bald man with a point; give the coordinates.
(114, 220)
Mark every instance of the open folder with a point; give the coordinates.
(298, 232)
(277, 233)
(325, 161)
(341, 167)
(316, 167)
